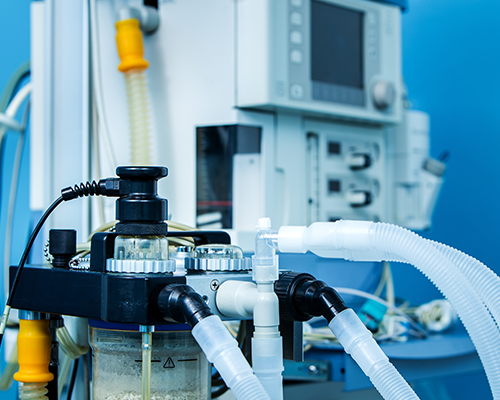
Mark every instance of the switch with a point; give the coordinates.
(359, 198)
(358, 161)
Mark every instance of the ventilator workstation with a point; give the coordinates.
(286, 129)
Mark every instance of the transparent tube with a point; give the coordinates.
(358, 341)
(267, 349)
(267, 363)
(33, 391)
(68, 345)
(63, 374)
(222, 350)
(390, 242)
(138, 110)
(147, 343)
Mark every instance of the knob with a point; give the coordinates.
(359, 198)
(142, 173)
(62, 246)
(358, 161)
(383, 94)
(139, 210)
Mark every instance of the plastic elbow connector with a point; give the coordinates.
(181, 303)
(130, 45)
(302, 297)
(33, 349)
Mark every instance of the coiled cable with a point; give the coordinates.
(86, 189)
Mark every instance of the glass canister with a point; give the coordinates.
(179, 368)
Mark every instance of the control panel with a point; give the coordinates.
(346, 167)
(339, 58)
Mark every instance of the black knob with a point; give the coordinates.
(142, 173)
(139, 209)
(62, 246)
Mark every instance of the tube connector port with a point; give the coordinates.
(33, 349)
(302, 297)
(130, 45)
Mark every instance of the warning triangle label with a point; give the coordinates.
(169, 363)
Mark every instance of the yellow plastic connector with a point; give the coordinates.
(33, 351)
(129, 44)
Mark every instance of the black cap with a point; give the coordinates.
(139, 210)
(62, 246)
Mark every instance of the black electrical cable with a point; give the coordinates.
(73, 379)
(27, 250)
(24, 258)
(69, 193)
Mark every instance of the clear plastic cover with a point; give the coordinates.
(141, 248)
(217, 251)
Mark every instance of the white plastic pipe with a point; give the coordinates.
(359, 343)
(236, 299)
(240, 299)
(222, 350)
(267, 348)
(369, 241)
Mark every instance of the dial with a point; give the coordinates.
(383, 95)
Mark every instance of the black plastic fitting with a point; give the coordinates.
(151, 3)
(139, 209)
(181, 303)
(62, 246)
(302, 297)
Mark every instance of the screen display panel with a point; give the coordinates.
(336, 45)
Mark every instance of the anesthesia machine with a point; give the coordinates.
(286, 128)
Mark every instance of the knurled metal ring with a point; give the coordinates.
(140, 266)
(219, 264)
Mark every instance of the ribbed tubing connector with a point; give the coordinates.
(138, 109)
(358, 341)
(33, 391)
(222, 350)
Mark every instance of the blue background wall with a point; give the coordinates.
(451, 63)
(451, 66)
(14, 50)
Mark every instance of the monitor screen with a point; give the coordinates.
(336, 45)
